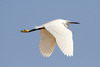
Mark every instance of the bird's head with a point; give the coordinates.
(67, 22)
(71, 22)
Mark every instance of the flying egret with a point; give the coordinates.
(53, 32)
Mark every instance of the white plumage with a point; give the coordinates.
(53, 32)
(47, 43)
(63, 37)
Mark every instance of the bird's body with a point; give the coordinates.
(53, 32)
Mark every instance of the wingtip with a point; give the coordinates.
(68, 55)
(45, 55)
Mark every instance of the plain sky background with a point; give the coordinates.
(22, 50)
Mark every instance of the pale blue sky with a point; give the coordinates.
(22, 50)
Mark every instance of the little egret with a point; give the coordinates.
(53, 32)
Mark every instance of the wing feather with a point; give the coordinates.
(63, 37)
(47, 43)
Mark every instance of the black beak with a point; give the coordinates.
(74, 23)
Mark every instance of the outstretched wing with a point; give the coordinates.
(63, 37)
(47, 43)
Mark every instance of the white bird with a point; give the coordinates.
(53, 32)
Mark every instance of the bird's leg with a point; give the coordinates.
(26, 31)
